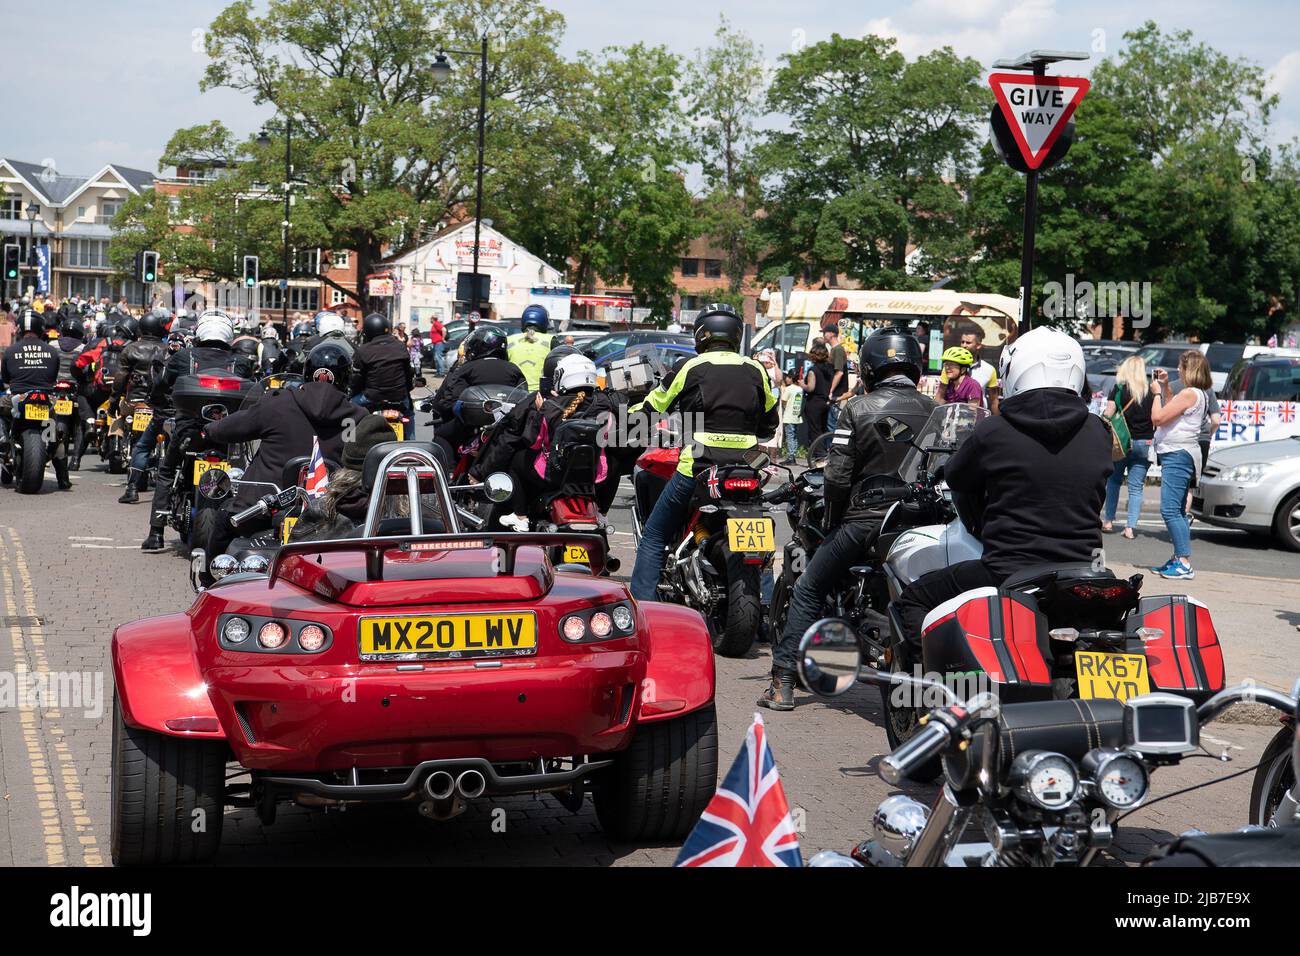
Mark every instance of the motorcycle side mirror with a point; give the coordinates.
(893, 430)
(830, 657)
(498, 487)
(214, 485)
(213, 413)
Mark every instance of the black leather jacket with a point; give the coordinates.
(135, 369)
(857, 450)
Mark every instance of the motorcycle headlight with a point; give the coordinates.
(1249, 474)
(255, 564)
(222, 565)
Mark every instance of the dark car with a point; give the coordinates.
(1265, 378)
(609, 348)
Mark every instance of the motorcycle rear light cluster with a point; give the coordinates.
(740, 484)
(1088, 591)
(235, 632)
(598, 624)
(220, 383)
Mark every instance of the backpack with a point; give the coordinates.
(573, 453)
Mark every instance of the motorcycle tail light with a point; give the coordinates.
(740, 484)
(219, 382)
(272, 635)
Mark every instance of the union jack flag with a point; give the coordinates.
(1286, 411)
(1257, 413)
(1229, 410)
(318, 478)
(748, 822)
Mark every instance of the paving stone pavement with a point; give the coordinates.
(71, 569)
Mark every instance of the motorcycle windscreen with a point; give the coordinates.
(994, 635)
(1186, 658)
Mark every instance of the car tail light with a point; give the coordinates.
(311, 638)
(602, 625)
(272, 635)
(236, 630)
(623, 617)
(573, 628)
(598, 624)
(739, 484)
(220, 382)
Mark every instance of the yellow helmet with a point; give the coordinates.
(958, 356)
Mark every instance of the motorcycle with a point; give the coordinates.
(727, 544)
(1049, 632)
(137, 417)
(33, 439)
(1274, 794)
(110, 440)
(1042, 783)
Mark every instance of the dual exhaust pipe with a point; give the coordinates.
(441, 785)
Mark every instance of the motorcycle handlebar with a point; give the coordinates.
(261, 508)
(784, 493)
(926, 744)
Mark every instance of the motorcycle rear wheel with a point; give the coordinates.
(31, 474)
(734, 623)
(901, 723)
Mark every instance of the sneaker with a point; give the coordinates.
(513, 522)
(1164, 567)
(1177, 570)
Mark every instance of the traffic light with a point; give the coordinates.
(12, 252)
(250, 271)
(148, 266)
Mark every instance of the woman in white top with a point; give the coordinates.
(1178, 427)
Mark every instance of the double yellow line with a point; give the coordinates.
(56, 774)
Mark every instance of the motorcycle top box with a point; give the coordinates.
(195, 392)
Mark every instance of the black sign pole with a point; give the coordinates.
(1027, 251)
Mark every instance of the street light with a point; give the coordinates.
(264, 140)
(33, 210)
(441, 72)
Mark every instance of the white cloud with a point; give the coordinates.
(1285, 75)
(987, 30)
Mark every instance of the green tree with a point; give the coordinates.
(873, 162)
(724, 86)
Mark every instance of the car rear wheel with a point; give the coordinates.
(1286, 526)
(659, 786)
(167, 796)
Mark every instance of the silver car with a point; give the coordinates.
(1254, 487)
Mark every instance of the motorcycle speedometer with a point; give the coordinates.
(1118, 779)
(1044, 779)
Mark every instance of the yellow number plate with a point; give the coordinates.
(63, 406)
(398, 430)
(200, 466)
(276, 383)
(36, 413)
(576, 555)
(751, 534)
(140, 421)
(286, 529)
(1111, 676)
(453, 635)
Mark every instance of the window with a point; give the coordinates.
(340, 259)
(306, 260)
(108, 210)
(81, 213)
(337, 297)
(87, 253)
(713, 268)
(690, 267)
(11, 207)
(270, 297)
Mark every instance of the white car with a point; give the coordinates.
(1255, 487)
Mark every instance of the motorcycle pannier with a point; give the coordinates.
(1186, 658)
(999, 633)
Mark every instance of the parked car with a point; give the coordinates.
(1254, 487)
(1265, 378)
(608, 348)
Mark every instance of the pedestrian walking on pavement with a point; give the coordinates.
(1132, 397)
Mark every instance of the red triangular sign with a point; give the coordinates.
(1037, 109)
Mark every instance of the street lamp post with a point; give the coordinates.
(33, 210)
(441, 70)
(264, 140)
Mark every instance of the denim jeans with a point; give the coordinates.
(791, 439)
(668, 518)
(440, 357)
(1136, 464)
(144, 444)
(1176, 471)
(832, 416)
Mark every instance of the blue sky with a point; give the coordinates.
(135, 81)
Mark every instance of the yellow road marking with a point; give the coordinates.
(32, 652)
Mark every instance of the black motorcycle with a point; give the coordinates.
(1041, 783)
(34, 434)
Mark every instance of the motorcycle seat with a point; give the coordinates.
(1039, 575)
(370, 467)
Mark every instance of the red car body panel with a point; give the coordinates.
(332, 711)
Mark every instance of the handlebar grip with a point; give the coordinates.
(260, 508)
(927, 743)
(777, 495)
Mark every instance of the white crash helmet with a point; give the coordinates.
(329, 322)
(214, 326)
(1041, 358)
(574, 372)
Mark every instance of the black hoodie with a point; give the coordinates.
(285, 421)
(1040, 469)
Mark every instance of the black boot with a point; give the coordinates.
(779, 695)
(61, 474)
(132, 494)
(154, 543)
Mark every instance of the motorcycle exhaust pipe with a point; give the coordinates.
(471, 784)
(439, 785)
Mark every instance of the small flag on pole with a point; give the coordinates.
(318, 478)
(748, 822)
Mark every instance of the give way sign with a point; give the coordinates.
(1037, 109)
